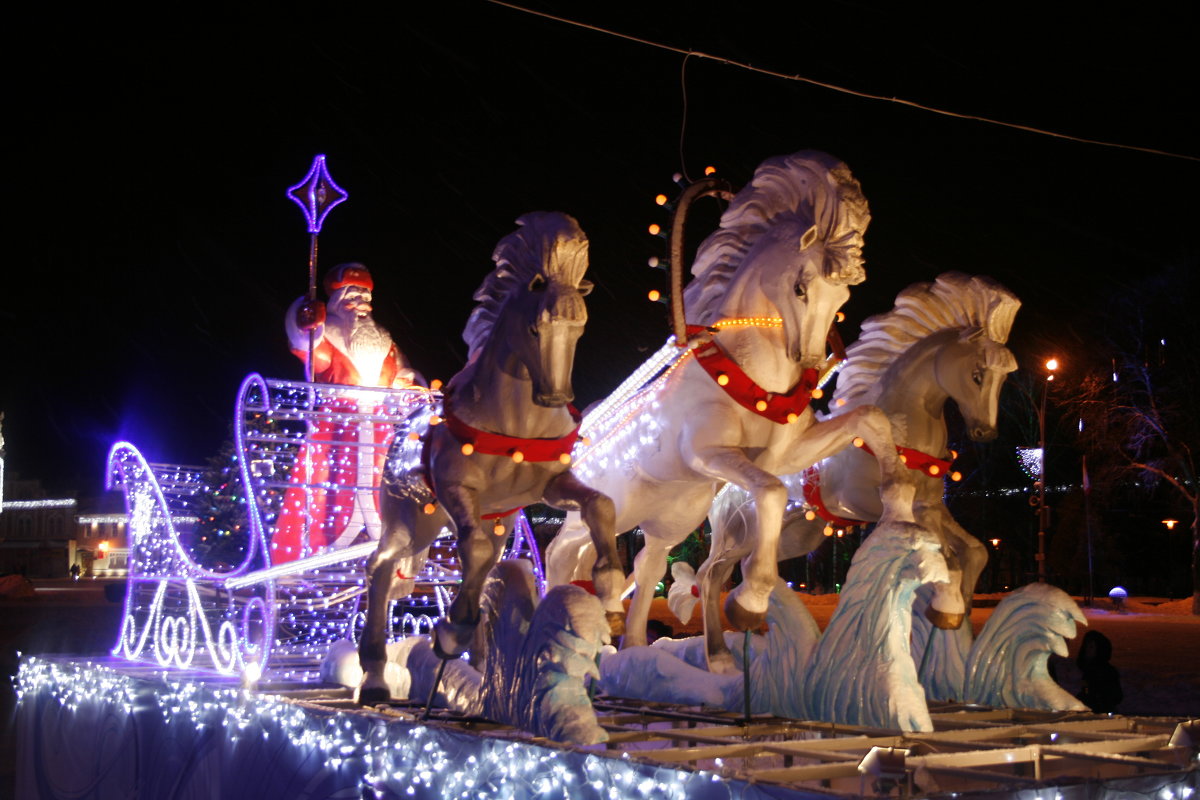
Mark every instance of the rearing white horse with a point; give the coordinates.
(734, 405)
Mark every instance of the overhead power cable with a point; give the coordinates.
(844, 90)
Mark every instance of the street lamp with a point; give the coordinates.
(1043, 511)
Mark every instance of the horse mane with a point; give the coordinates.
(953, 301)
(547, 243)
(807, 188)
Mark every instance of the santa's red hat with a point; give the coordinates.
(348, 275)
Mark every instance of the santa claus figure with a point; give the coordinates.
(333, 500)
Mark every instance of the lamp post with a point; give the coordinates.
(1043, 511)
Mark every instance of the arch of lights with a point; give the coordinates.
(266, 616)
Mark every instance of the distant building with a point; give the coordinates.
(43, 537)
(37, 533)
(103, 542)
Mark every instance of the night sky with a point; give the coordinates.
(151, 251)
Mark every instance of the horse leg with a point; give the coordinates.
(567, 492)
(746, 606)
(730, 529)
(570, 555)
(478, 551)
(648, 569)
(947, 606)
(381, 577)
(972, 555)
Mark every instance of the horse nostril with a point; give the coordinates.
(984, 434)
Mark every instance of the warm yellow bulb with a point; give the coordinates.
(565, 459)
(817, 394)
(953, 454)
(710, 170)
(518, 456)
(468, 448)
(903, 458)
(792, 417)
(841, 401)
(956, 476)
(841, 316)
(654, 229)
(1052, 364)
(761, 405)
(414, 437)
(654, 294)
(661, 200)
(435, 384)
(810, 515)
(858, 441)
(435, 420)
(723, 379)
(429, 508)
(934, 469)
(586, 440)
(828, 530)
(498, 529)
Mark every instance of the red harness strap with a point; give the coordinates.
(913, 459)
(497, 444)
(748, 394)
(812, 496)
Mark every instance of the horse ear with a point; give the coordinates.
(585, 287)
(809, 238)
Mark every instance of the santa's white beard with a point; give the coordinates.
(366, 343)
(368, 340)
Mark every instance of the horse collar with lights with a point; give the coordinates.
(497, 444)
(780, 408)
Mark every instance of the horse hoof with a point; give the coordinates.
(740, 618)
(451, 640)
(616, 623)
(944, 620)
(373, 696)
(721, 664)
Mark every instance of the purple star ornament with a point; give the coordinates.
(317, 194)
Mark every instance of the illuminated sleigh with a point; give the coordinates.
(310, 457)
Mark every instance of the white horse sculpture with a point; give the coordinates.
(734, 406)
(501, 440)
(942, 340)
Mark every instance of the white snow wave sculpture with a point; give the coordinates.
(529, 660)
(1007, 665)
(862, 670)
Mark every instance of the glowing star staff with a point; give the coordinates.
(317, 194)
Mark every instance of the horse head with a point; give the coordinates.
(544, 313)
(790, 245)
(972, 370)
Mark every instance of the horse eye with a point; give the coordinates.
(533, 331)
(977, 376)
(800, 290)
(538, 284)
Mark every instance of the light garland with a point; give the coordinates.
(27, 505)
(358, 753)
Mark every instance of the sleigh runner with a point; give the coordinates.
(310, 457)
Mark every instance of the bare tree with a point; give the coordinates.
(1140, 411)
